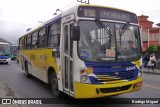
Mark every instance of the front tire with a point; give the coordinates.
(54, 85)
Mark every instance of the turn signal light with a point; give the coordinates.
(89, 70)
(82, 71)
(138, 84)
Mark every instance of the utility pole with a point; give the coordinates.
(159, 35)
(148, 38)
(159, 32)
(141, 37)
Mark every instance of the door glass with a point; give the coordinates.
(66, 72)
(71, 55)
(66, 39)
(71, 40)
(71, 75)
(66, 56)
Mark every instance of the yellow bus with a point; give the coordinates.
(87, 51)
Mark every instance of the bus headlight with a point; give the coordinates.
(84, 78)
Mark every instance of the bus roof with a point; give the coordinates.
(58, 17)
(13, 45)
(2, 43)
(103, 6)
(70, 10)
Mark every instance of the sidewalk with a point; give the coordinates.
(150, 71)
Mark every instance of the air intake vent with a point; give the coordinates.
(115, 89)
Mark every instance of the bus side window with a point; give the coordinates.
(28, 42)
(20, 43)
(34, 40)
(24, 43)
(54, 35)
(42, 38)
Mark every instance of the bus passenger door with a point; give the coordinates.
(68, 58)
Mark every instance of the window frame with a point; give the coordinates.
(43, 45)
(34, 46)
(50, 35)
(28, 44)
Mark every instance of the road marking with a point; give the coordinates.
(146, 85)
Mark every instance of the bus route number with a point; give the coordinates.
(89, 13)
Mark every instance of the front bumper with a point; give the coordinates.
(102, 90)
(5, 60)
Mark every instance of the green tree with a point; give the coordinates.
(153, 48)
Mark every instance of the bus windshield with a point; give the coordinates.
(108, 43)
(4, 50)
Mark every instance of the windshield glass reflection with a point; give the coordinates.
(4, 50)
(98, 43)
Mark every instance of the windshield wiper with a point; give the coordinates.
(124, 28)
(101, 25)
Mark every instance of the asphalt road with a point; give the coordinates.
(23, 87)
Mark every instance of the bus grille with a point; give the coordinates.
(115, 89)
(118, 76)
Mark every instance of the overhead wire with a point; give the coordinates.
(152, 12)
(155, 14)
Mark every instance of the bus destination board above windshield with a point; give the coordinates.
(107, 13)
(114, 15)
(89, 13)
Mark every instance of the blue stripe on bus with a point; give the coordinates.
(94, 80)
(4, 57)
(26, 59)
(110, 70)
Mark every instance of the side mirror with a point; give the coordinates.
(76, 33)
(58, 36)
(136, 33)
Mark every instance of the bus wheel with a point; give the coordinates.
(27, 71)
(54, 85)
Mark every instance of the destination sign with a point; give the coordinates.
(115, 15)
(89, 13)
(107, 13)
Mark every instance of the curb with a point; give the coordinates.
(151, 72)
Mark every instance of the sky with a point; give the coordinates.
(18, 15)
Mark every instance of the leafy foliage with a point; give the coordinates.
(154, 48)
